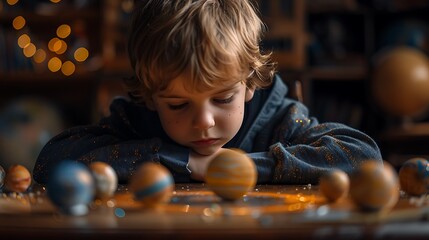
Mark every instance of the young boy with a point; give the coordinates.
(202, 85)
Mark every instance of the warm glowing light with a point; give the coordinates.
(68, 68)
(54, 64)
(420, 73)
(23, 40)
(127, 6)
(29, 50)
(55, 1)
(54, 44)
(12, 2)
(63, 47)
(63, 31)
(39, 56)
(18, 22)
(81, 54)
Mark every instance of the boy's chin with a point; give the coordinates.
(207, 151)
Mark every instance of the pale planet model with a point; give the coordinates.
(106, 179)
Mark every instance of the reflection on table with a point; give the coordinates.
(269, 211)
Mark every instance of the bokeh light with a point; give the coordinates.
(12, 2)
(68, 68)
(81, 54)
(39, 56)
(63, 31)
(54, 44)
(23, 40)
(62, 48)
(54, 64)
(127, 6)
(29, 50)
(18, 22)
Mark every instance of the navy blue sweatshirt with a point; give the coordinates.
(287, 146)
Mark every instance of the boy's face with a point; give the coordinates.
(203, 121)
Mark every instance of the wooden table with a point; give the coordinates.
(268, 212)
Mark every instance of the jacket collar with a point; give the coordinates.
(275, 99)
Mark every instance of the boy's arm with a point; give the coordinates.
(303, 149)
(114, 142)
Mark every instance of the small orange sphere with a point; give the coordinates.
(106, 180)
(18, 179)
(152, 184)
(334, 185)
(374, 186)
(231, 174)
(414, 176)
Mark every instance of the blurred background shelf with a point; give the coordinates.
(335, 73)
(329, 47)
(344, 42)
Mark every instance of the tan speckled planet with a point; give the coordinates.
(374, 186)
(334, 185)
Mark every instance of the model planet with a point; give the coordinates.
(106, 180)
(152, 184)
(71, 187)
(414, 176)
(18, 179)
(334, 185)
(374, 186)
(231, 174)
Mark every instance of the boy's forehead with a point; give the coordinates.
(183, 83)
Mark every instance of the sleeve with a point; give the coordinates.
(303, 149)
(115, 142)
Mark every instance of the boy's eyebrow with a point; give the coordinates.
(226, 89)
(169, 96)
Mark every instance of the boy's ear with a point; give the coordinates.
(150, 104)
(249, 93)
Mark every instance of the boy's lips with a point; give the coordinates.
(206, 142)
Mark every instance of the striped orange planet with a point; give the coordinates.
(231, 174)
(152, 184)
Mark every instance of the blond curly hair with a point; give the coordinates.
(211, 40)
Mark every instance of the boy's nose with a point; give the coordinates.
(203, 119)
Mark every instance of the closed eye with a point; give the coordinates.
(225, 100)
(177, 106)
